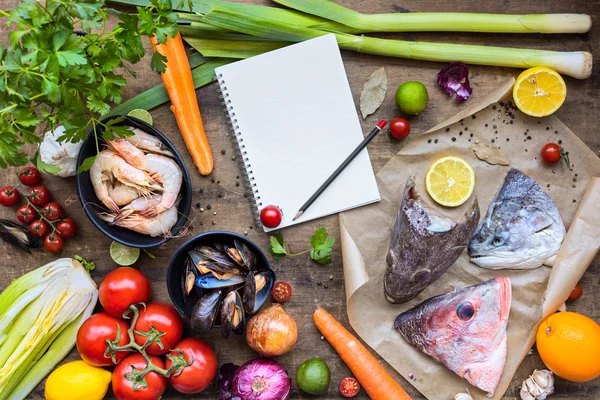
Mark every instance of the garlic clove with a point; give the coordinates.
(525, 395)
(544, 379)
(464, 396)
(538, 386)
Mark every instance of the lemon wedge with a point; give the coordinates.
(539, 91)
(450, 181)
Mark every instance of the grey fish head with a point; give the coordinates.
(522, 227)
(465, 330)
(423, 245)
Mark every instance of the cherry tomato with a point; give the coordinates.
(54, 243)
(9, 196)
(92, 337)
(26, 213)
(349, 387)
(38, 228)
(271, 216)
(122, 288)
(281, 292)
(67, 228)
(52, 211)
(125, 389)
(576, 293)
(164, 318)
(39, 195)
(399, 128)
(552, 153)
(199, 375)
(30, 176)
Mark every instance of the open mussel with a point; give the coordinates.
(209, 281)
(214, 255)
(17, 236)
(247, 256)
(188, 279)
(205, 312)
(233, 318)
(256, 290)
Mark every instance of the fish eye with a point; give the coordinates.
(465, 311)
(498, 240)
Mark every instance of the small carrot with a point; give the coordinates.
(371, 375)
(184, 104)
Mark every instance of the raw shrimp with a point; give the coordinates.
(148, 142)
(159, 225)
(139, 205)
(161, 168)
(108, 165)
(123, 194)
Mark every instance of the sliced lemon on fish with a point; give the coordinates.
(141, 114)
(539, 91)
(124, 255)
(450, 181)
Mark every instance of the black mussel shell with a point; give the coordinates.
(234, 255)
(248, 257)
(209, 281)
(264, 281)
(188, 279)
(249, 294)
(215, 255)
(205, 312)
(17, 236)
(233, 318)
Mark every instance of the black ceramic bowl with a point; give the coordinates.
(92, 205)
(176, 266)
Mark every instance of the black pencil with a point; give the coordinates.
(339, 169)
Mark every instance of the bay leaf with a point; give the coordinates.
(373, 92)
(489, 153)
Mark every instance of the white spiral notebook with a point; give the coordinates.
(295, 121)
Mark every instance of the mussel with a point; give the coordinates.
(249, 295)
(209, 281)
(188, 279)
(17, 236)
(233, 318)
(257, 290)
(247, 256)
(205, 312)
(215, 255)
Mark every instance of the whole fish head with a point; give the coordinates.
(423, 245)
(465, 330)
(522, 228)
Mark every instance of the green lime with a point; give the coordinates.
(411, 97)
(313, 376)
(124, 255)
(141, 114)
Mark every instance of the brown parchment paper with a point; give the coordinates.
(536, 293)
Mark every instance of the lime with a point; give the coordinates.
(141, 114)
(313, 376)
(411, 97)
(124, 255)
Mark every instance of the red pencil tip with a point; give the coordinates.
(382, 123)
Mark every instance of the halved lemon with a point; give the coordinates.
(539, 91)
(450, 181)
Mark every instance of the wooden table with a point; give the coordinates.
(316, 285)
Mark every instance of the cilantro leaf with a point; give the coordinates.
(277, 248)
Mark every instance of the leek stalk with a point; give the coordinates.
(233, 48)
(443, 21)
(40, 314)
(577, 64)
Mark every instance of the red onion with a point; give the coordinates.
(261, 379)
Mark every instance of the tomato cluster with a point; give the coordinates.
(46, 218)
(123, 294)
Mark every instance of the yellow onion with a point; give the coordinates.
(271, 332)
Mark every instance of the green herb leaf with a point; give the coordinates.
(87, 164)
(47, 168)
(89, 266)
(321, 246)
(277, 248)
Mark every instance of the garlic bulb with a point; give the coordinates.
(538, 386)
(60, 154)
(462, 396)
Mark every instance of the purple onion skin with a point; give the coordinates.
(261, 379)
(224, 380)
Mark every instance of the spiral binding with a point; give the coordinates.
(241, 152)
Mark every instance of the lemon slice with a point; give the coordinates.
(141, 114)
(124, 255)
(539, 91)
(450, 181)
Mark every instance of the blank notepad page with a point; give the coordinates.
(295, 122)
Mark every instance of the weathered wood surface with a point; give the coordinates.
(323, 285)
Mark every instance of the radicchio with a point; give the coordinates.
(455, 79)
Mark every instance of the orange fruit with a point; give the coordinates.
(569, 344)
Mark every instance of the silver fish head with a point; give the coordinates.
(522, 228)
(423, 245)
(465, 330)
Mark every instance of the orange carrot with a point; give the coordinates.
(184, 104)
(371, 375)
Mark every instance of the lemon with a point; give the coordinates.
(539, 91)
(77, 380)
(450, 181)
(141, 114)
(313, 376)
(124, 255)
(411, 97)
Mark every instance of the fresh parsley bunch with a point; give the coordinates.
(320, 252)
(53, 73)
